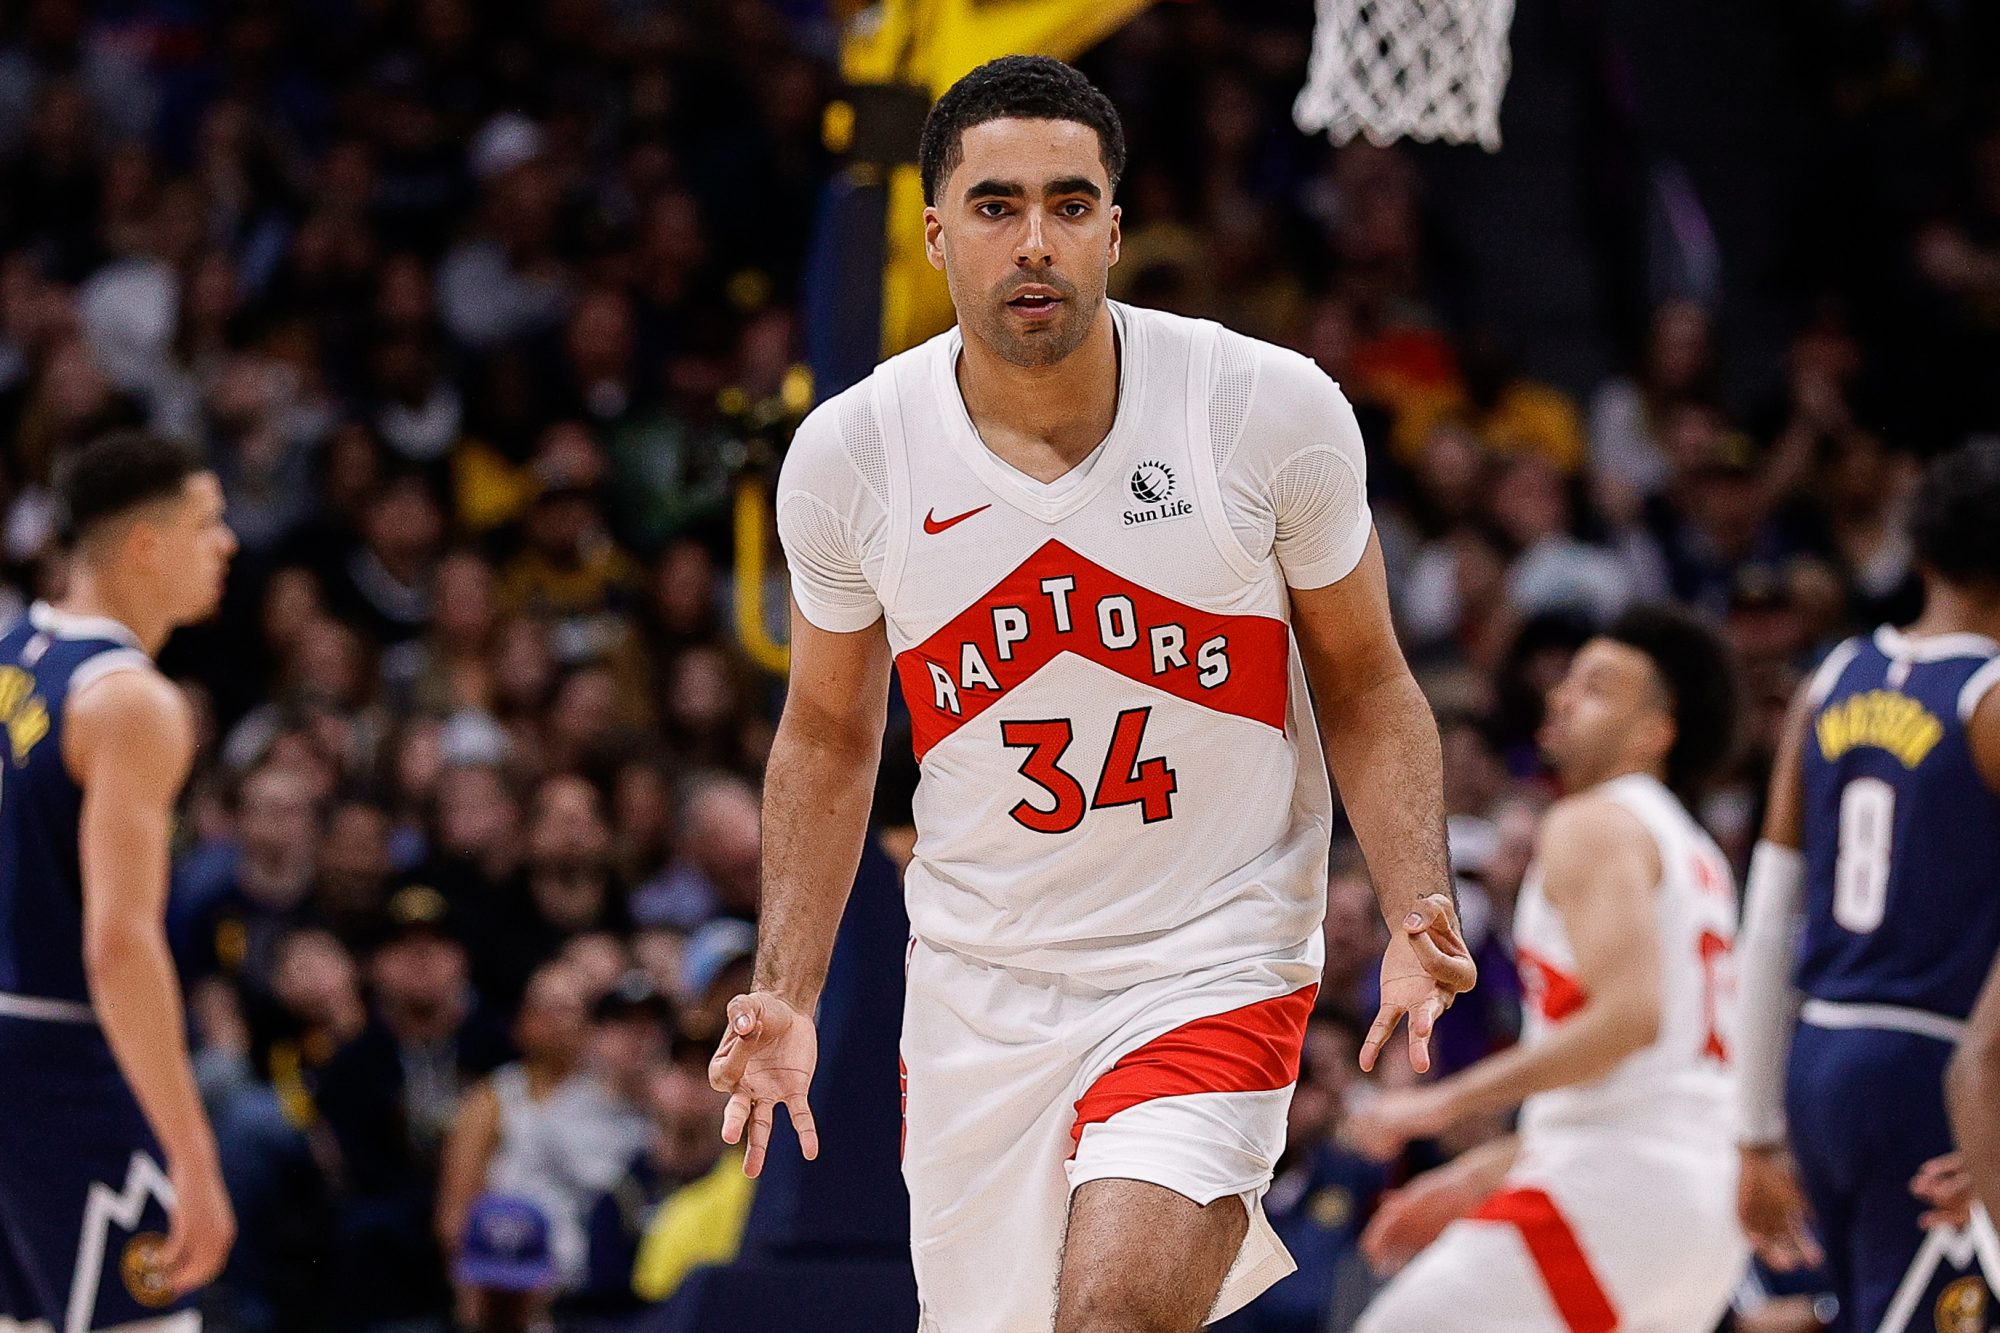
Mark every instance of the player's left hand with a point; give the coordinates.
(1944, 1184)
(1424, 969)
(1409, 1218)
(201, 1226)
(1380, 1129)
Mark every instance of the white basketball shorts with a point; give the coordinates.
(1593, 1230)
(1021, 1086)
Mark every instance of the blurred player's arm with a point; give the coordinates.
(128, 740)
(1772, 918)
(1972, 1083)
(1411, 1216)
(1383, 752)
(1601, 871)
(1770, 1203)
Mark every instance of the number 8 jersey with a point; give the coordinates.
(1121, 778)
(1902, 835)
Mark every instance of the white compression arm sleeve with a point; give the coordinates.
(1768, 1006)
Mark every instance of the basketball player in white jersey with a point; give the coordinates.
(1613, 1206)
(1087, 538)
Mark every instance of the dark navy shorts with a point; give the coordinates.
(1866, 1110)
(82, 1184)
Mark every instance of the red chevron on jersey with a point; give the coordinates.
(1553, 991)
(1059, 602)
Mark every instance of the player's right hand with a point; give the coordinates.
(767, 1056)
(1773, 1210)
(201, 1228)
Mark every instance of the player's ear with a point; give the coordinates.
(138, 545)
(1117, 233)
(934, 238)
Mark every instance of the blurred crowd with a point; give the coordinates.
(469, 304)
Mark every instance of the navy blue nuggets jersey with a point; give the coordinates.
(1901, 833)
(83, 1192)
(45, 658)
(1901, 838)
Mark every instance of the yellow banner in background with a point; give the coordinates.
(931, 44)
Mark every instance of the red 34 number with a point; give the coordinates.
(1125, 780)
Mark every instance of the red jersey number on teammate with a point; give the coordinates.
(1125, 780)
(1717, 972)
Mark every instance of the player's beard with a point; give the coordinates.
(1033, 348)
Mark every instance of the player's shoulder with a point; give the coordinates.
(1291, 387)
(1282, 369)
(1591, 822)
(126, 687)
(837, 445)
(1267, 403)
(849, 422)
(132, 708)
(1285, 401)
(827, 428)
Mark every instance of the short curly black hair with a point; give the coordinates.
(1955, 518)
(1027, 87)
(1699, 672)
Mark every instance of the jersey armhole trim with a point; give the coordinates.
(107, 664)
(1976, 688)
(1201, 448)
(1829, 671)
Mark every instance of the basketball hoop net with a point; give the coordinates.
(1418, 69)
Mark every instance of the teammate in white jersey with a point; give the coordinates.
(1088, 536)
(1613, 1206)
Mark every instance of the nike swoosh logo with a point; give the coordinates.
(933, 526)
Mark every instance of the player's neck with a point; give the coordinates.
(1949, 609)
(1582, 781)
(92, 594)
(1067, 408)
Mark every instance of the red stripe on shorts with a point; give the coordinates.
(1565, 1269)
(1252, 1049)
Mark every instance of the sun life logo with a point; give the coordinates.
(1152, 482)
(1152, 485)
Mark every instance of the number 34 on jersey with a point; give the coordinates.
(1056, 603)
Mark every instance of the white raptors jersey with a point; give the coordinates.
(1679, 1086)
(1120, 774)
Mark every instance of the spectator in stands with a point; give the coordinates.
(1625, 414)
(560, 1127)
(389, 1096)
(707, 1200)
(236, 914)
(716, 870)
